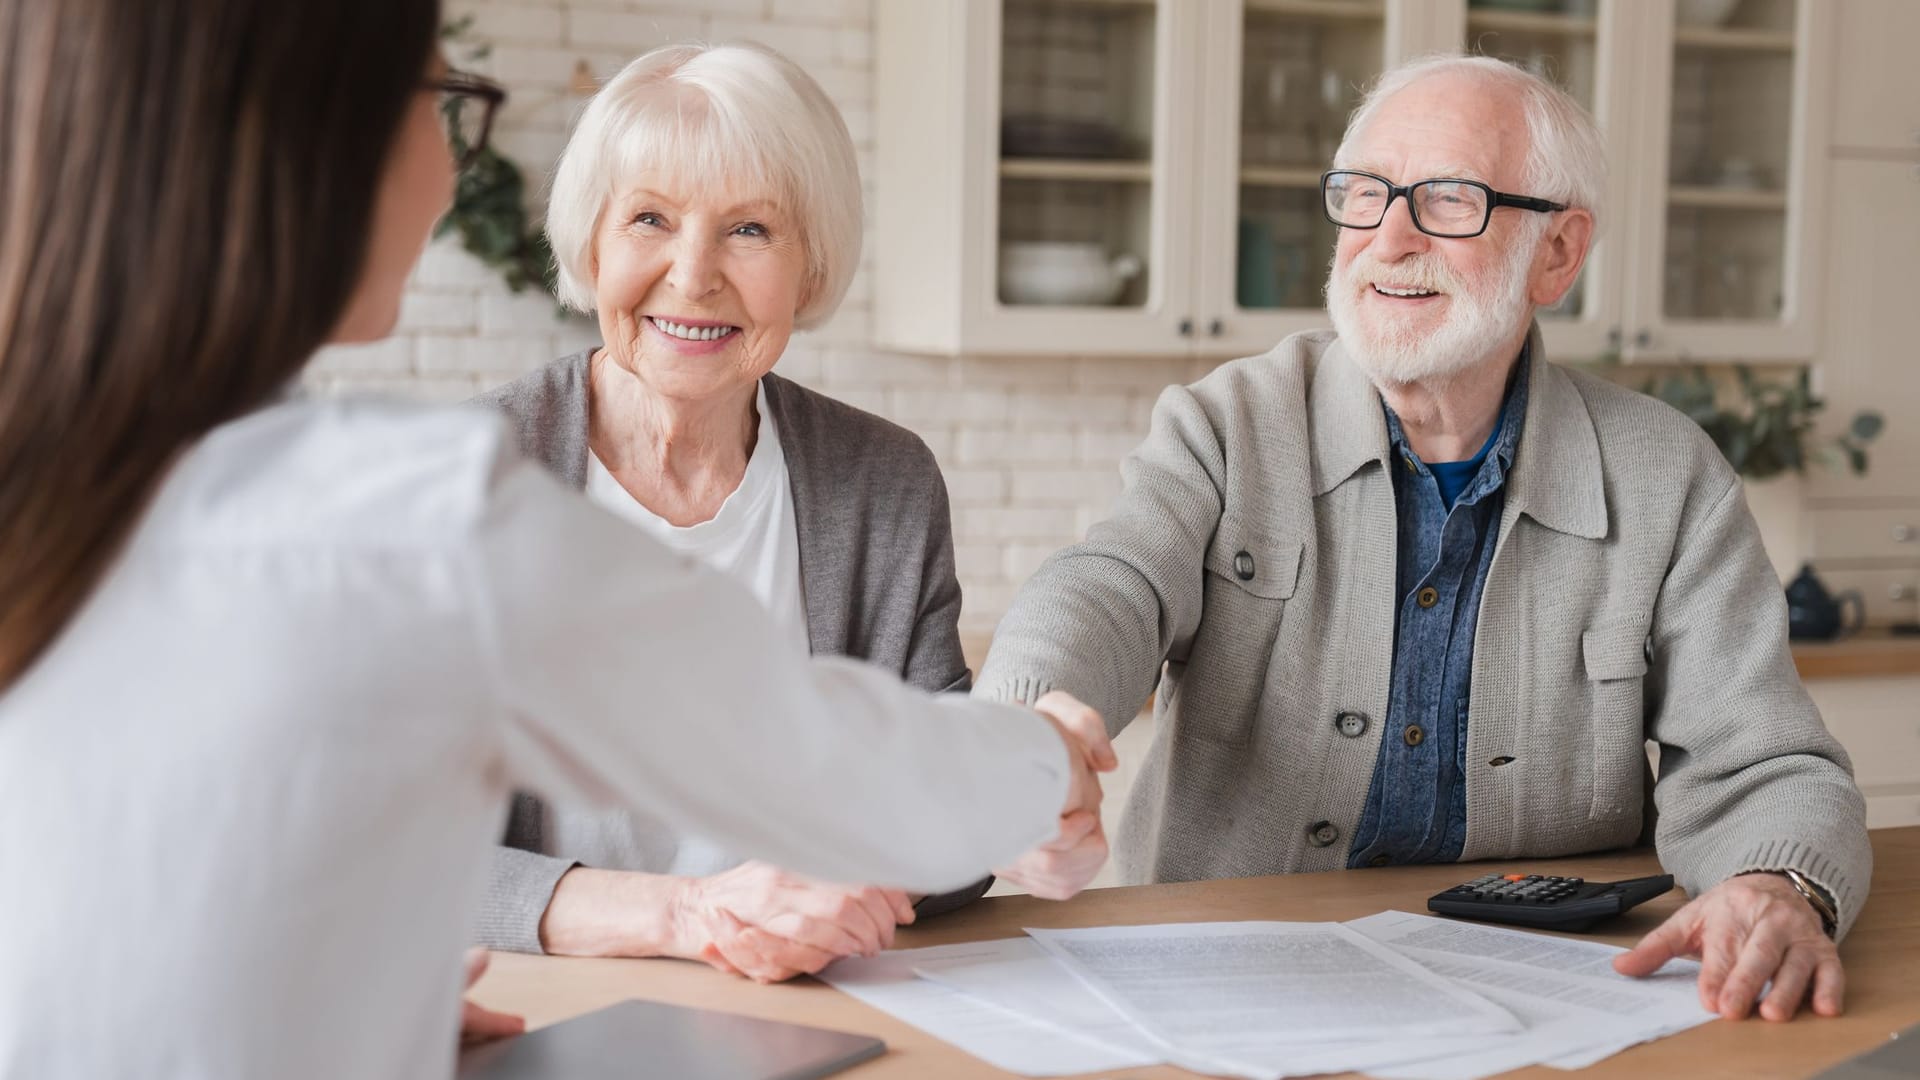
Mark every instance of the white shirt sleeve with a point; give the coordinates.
(635, 677)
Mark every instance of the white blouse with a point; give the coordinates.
(248, 797)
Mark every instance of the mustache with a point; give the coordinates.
(1415, 271)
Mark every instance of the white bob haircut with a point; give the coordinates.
(1566, 157)
(739, 117)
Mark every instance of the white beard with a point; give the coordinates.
(1481, 315)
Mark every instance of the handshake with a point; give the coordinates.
(767, 924)
(1061, 867)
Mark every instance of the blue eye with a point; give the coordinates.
(648, 218)
(751, 228)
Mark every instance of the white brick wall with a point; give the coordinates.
(1030, 447)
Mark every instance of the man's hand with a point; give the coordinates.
(1089, 750)
(759, 921)
(1747, 931)
(1061, 867)
(482, 1025)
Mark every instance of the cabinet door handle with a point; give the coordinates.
(1903, 534)
(1216, 328)
(1643, 339)
(1186, 327)
(1613, 338)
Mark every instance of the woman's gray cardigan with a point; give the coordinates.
(876, 577)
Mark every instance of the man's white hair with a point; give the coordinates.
(1566, 156)
(733, 117)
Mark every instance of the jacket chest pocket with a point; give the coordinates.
(1251, 560)
(1250, 574)
(1615, 655)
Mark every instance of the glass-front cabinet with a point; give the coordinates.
(1731, 197)
(1035, 159)
(1141, 176)
(1287, 75)
(1584, 46)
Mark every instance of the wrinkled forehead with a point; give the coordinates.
(1444, 125)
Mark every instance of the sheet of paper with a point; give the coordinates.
(1576, 1008)
(1021, 977)
(1266, 994)
(1000, 1038)
(1565, 955)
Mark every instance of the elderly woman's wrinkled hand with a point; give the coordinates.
(1061, 867)
(768, 925)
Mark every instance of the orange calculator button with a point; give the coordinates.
(1516, 877)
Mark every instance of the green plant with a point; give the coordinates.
(489, 206)
(1771, 430)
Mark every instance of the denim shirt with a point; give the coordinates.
(1416, 809)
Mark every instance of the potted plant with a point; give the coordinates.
(1768, 435)
(489, 208)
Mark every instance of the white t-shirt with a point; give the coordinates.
(752, 539)
(249, 796)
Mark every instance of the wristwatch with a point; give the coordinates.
(1815, 896)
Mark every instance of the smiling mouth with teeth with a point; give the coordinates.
(691, 333)
(1405, 294)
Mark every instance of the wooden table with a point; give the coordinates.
(1882, 957)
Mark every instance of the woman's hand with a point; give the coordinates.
(768, 925)
(479, 1024)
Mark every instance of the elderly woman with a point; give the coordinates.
(707, 206)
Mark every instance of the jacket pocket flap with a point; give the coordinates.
(1248, 556)
(1615, 651)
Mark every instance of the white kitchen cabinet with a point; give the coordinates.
(1190, 136)
(1865, 530)
(1866, 357)
(1875, 719)
(1725, 242)
(1114, 126)
(1713, 113)
(1107, 96)
(1876, 108)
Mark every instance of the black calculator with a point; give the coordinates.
(1546, 903)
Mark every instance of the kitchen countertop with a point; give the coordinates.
(1868, 654)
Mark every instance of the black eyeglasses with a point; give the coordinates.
(467, 105)
(1450, 209)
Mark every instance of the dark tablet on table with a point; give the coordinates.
(642, 1039)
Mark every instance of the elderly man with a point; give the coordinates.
(1410, 593)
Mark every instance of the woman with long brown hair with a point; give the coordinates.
(269, 668)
